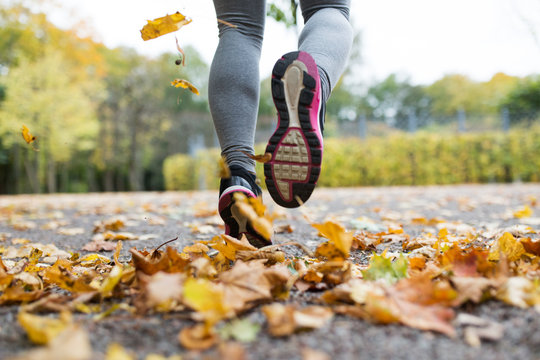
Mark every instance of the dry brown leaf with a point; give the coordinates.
(311, 354)
(197, 337)
(531, 246)
(231, 351)
(284, 320)
(71, 344)
(263, 158)
(99, 244)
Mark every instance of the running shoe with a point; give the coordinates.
(236, 223)
(297, 143)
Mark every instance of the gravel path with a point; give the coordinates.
(164, 216)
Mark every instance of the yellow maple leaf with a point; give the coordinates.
(206, 298)
(509, 246)
(163, 25)
(184, 84)
(337, 236)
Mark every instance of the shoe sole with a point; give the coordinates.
(236, 224)
(296, 145)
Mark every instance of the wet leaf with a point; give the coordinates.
(163, 25)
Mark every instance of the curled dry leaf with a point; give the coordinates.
(262, 158)
(163, 25)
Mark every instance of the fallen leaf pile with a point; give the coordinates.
(217, 280)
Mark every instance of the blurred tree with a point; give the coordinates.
(47, 96)
(453, 93)
(523, 101)
(284, 11)
(395, 100)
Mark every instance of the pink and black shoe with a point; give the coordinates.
(297, 144)
(236, 224)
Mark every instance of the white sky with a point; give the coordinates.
(423, 39)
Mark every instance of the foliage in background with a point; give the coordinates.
(400, 159)
(106, 119)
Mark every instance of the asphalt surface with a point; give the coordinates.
(164, 216)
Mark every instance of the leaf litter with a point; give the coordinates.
(423, 283)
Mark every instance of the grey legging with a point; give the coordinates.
(233, 92)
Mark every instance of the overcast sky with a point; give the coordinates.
(423, 39)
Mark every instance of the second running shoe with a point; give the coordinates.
(297, 143)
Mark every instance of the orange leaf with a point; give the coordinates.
(263, 158)
(184, 84)
(29, 138)
(163, 25)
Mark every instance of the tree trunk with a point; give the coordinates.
(31, 168)
(51, 176)
(135, 181)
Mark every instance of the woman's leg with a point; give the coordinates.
(233, 93)
(327, 37)
(301, 84)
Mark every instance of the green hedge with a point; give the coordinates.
(402, 159)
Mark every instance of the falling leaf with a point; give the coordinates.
(254, 210)
(241, 330)
(42, 330)
(223, 168)
(163, 25)
(29, 138)
(263, 158)
(184, 84)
